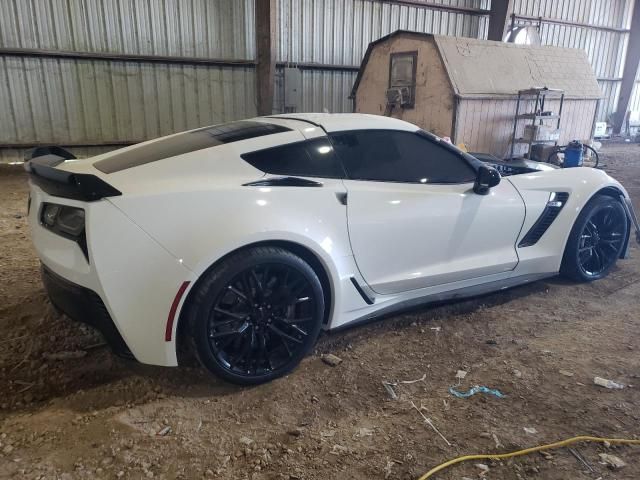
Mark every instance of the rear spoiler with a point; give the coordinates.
(60, 183)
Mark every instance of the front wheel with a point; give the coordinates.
(596, 240)
(256, 315)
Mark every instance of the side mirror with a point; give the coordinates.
(486, 178)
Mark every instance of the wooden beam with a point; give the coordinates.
(501, 10)
(266, 54)
(632, 60)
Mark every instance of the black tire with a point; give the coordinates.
(596, 240)
(256, 315)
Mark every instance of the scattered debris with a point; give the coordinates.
(460, 374)
(611, 461)
(606, 383)
(67, 355)
(566, 373)
(484, 469)
(430, 423)
(387, 469)
(581, 459)
(496, 441)
(477, 389)
(389, 388)
(517, 373)
(339, 449)
(530, 430)
(365, 432)
(436, 329)
(331, 360)
(421, 379)
(164, 432)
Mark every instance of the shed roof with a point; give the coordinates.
(486, 68)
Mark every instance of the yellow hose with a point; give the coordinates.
(526, 451)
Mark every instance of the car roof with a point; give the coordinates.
(336, 122)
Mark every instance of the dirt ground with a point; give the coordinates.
(97, 416)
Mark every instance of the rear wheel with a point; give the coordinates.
(256, 315)
(596, 240)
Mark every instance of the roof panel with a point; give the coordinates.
(483, 67)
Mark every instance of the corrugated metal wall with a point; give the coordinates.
(605, 46)
(84, 101)
(97, 101)
(634, 104)
(337, 32)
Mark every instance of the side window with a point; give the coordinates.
(311, 158)
(395, 156)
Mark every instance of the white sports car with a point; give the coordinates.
(244, 240)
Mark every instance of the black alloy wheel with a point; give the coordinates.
(596, 240)
(260, 313)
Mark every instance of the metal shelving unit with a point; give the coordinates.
(539, 95)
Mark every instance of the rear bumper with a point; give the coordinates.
(125, 286)
(86, 306)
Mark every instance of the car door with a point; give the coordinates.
(414, 220)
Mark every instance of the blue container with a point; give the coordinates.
(573, 155)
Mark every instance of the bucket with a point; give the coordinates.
(573, 155)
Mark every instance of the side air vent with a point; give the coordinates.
(549, 214)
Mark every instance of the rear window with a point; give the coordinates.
(187, 142)
(311, 158)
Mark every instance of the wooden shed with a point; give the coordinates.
(467, 89)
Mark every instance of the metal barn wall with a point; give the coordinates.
(486, 125)
(85, 100)
(634, 104)
(335, 34)
(600, 27)
(101, 101)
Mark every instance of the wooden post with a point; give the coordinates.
(631, 62)
(501, 10)
(266, 54)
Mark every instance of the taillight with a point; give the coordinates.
(63, 220)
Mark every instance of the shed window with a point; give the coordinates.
(402, 76)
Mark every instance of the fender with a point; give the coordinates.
(581, 184)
